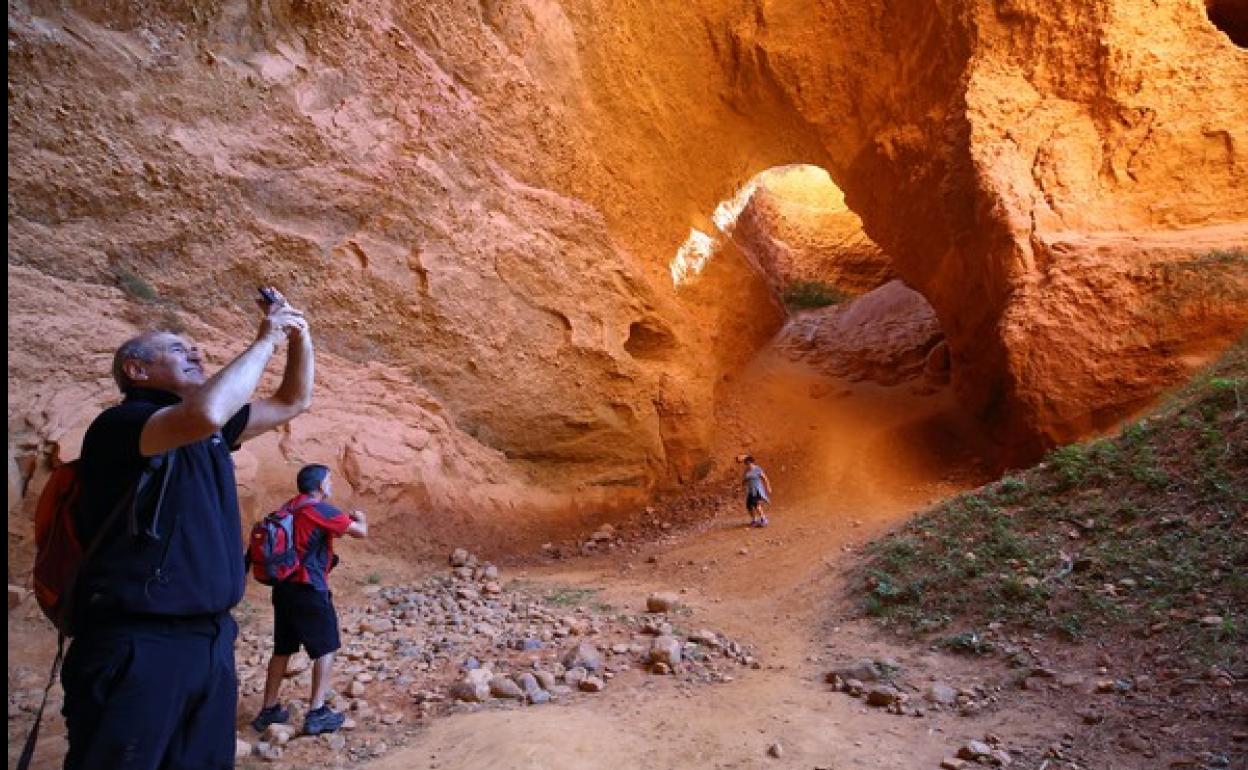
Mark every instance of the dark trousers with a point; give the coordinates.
(304, 616)
(152, 694)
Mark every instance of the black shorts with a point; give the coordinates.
(752, 501)
(304, 616)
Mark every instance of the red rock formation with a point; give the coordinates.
(884, 336)
(479, 206)
(796, 226)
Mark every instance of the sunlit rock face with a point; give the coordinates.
(886, 336)
(479, 205)
(796, 226)
(1041, 176)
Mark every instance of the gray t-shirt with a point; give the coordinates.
(753, 479)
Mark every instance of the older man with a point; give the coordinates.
(149, 677)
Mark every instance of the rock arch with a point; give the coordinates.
(512, 182)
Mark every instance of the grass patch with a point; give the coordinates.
(134, 285)
(966, 643)
(803, 295)
(567, 596)
(1142, 533)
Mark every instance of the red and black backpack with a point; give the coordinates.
(271, 550)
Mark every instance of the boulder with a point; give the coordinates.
(666, 650)
(585, 655)
(474, 686)
(664, 601)
(503, 687)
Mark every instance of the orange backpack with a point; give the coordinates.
(58, 554)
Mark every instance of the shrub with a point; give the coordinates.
(134, 285)
(801, 295)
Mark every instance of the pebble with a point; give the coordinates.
(591, 684)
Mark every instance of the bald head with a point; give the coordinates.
(144, 347)
(159, 359)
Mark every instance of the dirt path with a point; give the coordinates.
(845, 467)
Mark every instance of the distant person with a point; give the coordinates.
(303, 607)
(757, 491)
(149, 678)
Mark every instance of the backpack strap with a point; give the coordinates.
(153, 531)
(28, 750)
(101, 535)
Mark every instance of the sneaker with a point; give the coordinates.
(273, 715)
(763, 522)
(323, 720)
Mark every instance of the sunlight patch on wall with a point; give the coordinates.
(726, 213)
(692, 256)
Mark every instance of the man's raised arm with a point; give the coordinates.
(294, 394)
(205, 409)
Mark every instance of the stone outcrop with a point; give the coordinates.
(884, 336)
(479, 206)
(797, 227)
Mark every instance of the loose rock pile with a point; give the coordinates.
(878, 683)
(989, 751)
(461, 640)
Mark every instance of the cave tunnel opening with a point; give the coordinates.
(858, 374)
(1230, 16)
(843, 302)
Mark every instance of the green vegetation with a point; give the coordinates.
(1144, 533)
(803, 295)
(134, 286)
(568, 596)
(1235, 256)
(1217, 274)
(373, 578)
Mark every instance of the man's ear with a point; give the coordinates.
(134, 370)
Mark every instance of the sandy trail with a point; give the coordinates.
(844, 468)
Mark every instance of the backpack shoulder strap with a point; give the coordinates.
(28, 750)
(101, 535)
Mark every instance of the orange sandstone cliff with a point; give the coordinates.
(479, 206)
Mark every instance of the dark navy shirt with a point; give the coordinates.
(188, 560)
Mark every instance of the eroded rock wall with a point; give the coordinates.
(478, 205)
(384, 168)
(1023, 162)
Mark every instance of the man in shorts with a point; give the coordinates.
(757, 491)
(303, 608)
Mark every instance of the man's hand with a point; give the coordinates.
(280, 319)
(359, 524)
